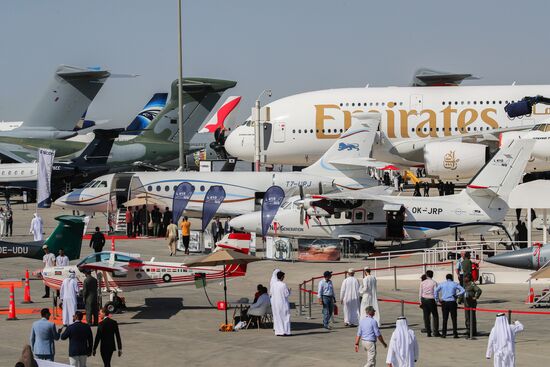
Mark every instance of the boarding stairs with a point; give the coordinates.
(542, 300)
(120, 220)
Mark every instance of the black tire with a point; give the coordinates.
(166, 278)
(111, 307)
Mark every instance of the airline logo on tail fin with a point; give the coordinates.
(224, 116)
(148, 113)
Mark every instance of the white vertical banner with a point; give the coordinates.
(44, 181)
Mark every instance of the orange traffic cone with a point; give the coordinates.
(112, 244)
(531, 297)
(27, 293)
(11, 312)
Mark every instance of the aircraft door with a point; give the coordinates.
(120, 188)
(267, 131)
(395, 221)
(279, 133)
(416, 102)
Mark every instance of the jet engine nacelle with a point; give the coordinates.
(454, 160)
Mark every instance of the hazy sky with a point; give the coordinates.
(286, 45)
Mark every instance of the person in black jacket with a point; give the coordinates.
(97, 241)
(89, 293)
(80, 340)
(107, 331)
(166, 218)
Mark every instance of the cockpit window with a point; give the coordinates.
(102, 184)
(90, 184)
(126, 259)
(97, 257)
(247, 123)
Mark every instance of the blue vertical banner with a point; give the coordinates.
(44, 178)
(212, 200)
(182, 195)
(273, 198)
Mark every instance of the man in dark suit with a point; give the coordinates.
(97, 241)
(89, 293)
(107, 331)
(80, 341)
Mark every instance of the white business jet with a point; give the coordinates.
(438, 127)
(362, 215)
(340, 168)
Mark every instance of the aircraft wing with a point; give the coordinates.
(109, 267)
(14, 153)
(371, 193)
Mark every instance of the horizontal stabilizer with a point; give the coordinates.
(428, 78)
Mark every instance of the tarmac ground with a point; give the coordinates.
(177, 326)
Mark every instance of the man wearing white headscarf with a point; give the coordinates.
(502, 342)
(280, 306)
(68, 293)
(370, 298)
(36, 227)
(403, 350)
(349, 298)
(273, 279)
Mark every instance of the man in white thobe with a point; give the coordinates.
(403, 350)
(36, 227)
(280, 306)
(349, 298)
(3, 219)
(62, 259)
(273, 279)
(69, 291)
(502, 342)
(369, 296)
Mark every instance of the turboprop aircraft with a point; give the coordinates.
(125, 272)
(339, 169)
(361, 215)
(438, 127)
(154, 146)
(66, 99)
(67, 236)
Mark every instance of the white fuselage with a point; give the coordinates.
(10, 125)
(244, 190)
(426, 217)
(304, 126)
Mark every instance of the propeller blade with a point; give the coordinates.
(320, 188)
(301, 188)
(302, 215)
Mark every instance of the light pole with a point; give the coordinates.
(258, 132)
(181, 140)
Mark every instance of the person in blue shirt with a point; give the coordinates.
(43, 337)
(325, 294)
(450, 291)
(367, 333)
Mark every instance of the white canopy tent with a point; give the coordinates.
(532, 195)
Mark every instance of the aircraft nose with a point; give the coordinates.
(250, 222)
(67, 199)
(521, 259)
(240, 144)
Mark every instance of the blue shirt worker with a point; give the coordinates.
(43, 337)
(325, 293)
(367, 333)
(450, 291)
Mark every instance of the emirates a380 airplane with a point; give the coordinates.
(438, 127)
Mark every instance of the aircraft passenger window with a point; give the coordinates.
(382, 103)
(506, 102)
(149, 188)
(299, 131)
(431, 128)
(494, 102)
(22, 172)
(201, 188)
(370, 104)
(341, 130)
(358, 216)
(436, 129)
(401, 103)
(488, 102)
(166, 188)
(347, 104)
(475, 128)
(15, 173)
(158, 187)
(370, 216)
(337, 215)
(499, 102)
(456, 102)
(468, 102)
(480, 102)
(348, 215)
(341, 104)
(294, 131)
(456, 128)
(175, 188)
(475, 102)
(329, 130)
(353, 104)
(443, 103)
(365, 104)
(412, 130)
(377, 103)
(461, 102)
(425, 129)
(9, 173)
(317, 130)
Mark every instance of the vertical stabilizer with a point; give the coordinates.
(503, 172)
(144, 118)
(67, 98)
(347, 156)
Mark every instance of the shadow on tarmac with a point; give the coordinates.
(158, 308)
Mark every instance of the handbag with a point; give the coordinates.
(335, 310)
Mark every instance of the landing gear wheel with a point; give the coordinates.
(111, 307)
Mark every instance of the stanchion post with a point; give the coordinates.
(510, 317)
(452, 268)
(425, 268)
(402, 308)
(395, 278)
(471, 323)
(300, 305)
(311, 297)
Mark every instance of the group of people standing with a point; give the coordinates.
(142, 222)
(6, 222)
(81, 341)
(443, 188)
